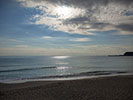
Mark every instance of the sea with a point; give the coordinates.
(33, 68)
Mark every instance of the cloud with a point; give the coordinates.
(83, 16)
(47, 37)
(78, 50)
(14, 40)
(105, 49)
(125, 27)
(21, 46)
(30, 51)
(81, 40)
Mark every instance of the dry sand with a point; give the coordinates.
(107, 88)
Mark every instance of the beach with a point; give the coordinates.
(103, 88)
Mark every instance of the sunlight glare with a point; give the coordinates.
(62, 68)
(61, 57)
(63, 11)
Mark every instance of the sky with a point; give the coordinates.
(65, 27)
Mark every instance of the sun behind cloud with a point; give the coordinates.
(63, 11)
(83, 17)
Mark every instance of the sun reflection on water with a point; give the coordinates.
(63, 68)
(61, 57)
(62, 63)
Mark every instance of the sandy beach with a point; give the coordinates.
(106, 88)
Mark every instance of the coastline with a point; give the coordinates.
(76, 76)
(102, 88)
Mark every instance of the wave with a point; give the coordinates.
(83, 74)
(25, 69)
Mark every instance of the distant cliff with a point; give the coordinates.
(128, 54)
(125, 54)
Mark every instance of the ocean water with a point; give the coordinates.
(16, 68)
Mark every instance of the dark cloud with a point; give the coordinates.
(92, 22)
(89, 3)
(125, 27)
(92, 7)
(80, 20)
(99, 25)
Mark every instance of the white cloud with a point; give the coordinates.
(104, 49)
(78, 50)
(81, 40)
(74, 16)
(14, 40)
(47, 37)
(21, 46)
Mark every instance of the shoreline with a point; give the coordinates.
(102, 88)
(78, 76)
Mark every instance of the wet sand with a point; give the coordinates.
(106, 88)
